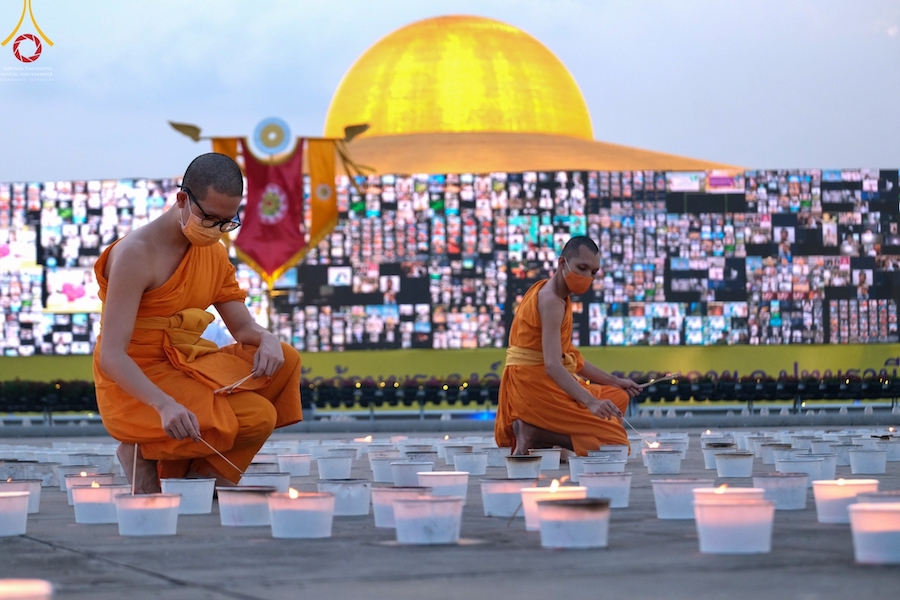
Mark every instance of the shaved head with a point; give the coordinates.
(215, 171)
(576, 243)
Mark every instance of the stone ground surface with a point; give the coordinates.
(646, 559)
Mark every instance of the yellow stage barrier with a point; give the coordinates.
(423, 364)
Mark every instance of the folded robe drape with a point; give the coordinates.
(529, 394)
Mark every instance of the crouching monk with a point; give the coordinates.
(156, 378)
(550, 395)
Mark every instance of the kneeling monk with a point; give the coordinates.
(545, 397)
(156, 378)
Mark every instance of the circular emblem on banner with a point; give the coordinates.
(37, 48)
(274, 204)
(323, 192)
(272, 136)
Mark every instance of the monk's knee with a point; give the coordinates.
(260, 422)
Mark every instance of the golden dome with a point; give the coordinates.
(459, 74)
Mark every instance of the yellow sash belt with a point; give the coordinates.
(183, 329)
(526, 357)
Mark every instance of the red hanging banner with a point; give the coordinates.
(271, 239)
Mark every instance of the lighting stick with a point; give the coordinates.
(222, 456)
(652, 381)
(230, 388)
(134, 469)
(624, 420)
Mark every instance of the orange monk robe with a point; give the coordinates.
(529, 394)
(167, 346)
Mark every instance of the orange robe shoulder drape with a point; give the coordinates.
(527, 392)
(167, 346)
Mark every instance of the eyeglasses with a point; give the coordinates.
(210, 221)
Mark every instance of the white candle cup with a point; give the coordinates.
(834, 496)
(610, 451)
(878, 497)
(318, 451)
(352, 453)
(876, 532)
(767, 452)
(663, 462)
(103, 463)
(523, 467)
(734, 464)
(868, 462)
(46, 472)
(616, 487)
(549, 457)
(428, 520)
(843, 453)
(787, 490)
(95, 505)
(576, 467)
(25, 589)
(810, 466)
(674, 498)
(451, 449)
(734, 525)
(280, 481)
(574, 523)
(13, 513)
(405, 448)
(306, 515)
(679, 444)
(446, 483)
(147, 514)
(406, 473)
(496, 457)
(334, 467)
(870, 443)
(260, 468)
(709, 453)
(73, 481)
(383, 501)
(63, 470)
(244, 506)
(427, 456)
(602, 466)
(821, 447)
(32, 486)
(726, 494)
(502, 497)
(473, 463)
(530, 496)
(196, 494)
(351, 496)
(802, 441)
(297, 465)
(265, 458)
(381, 468)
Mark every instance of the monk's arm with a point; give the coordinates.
(128, 278)
(597, 375)
(552, 310)
(269, 355)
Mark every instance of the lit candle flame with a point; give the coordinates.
(368, 438)
(94, 484)
(840, 481)
(9, 480)
(83, 474)
(446, 437)
(721, 489)
(554, 485)
(653, 444)
(294, 494)
(708, 432)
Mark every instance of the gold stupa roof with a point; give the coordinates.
(462, 94)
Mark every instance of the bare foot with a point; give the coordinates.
(529, 436)
(145, 477)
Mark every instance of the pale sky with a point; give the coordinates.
(757, 83)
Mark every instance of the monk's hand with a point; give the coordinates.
(269, 356)
(178, 422)
(630, 387)
(605, 409)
